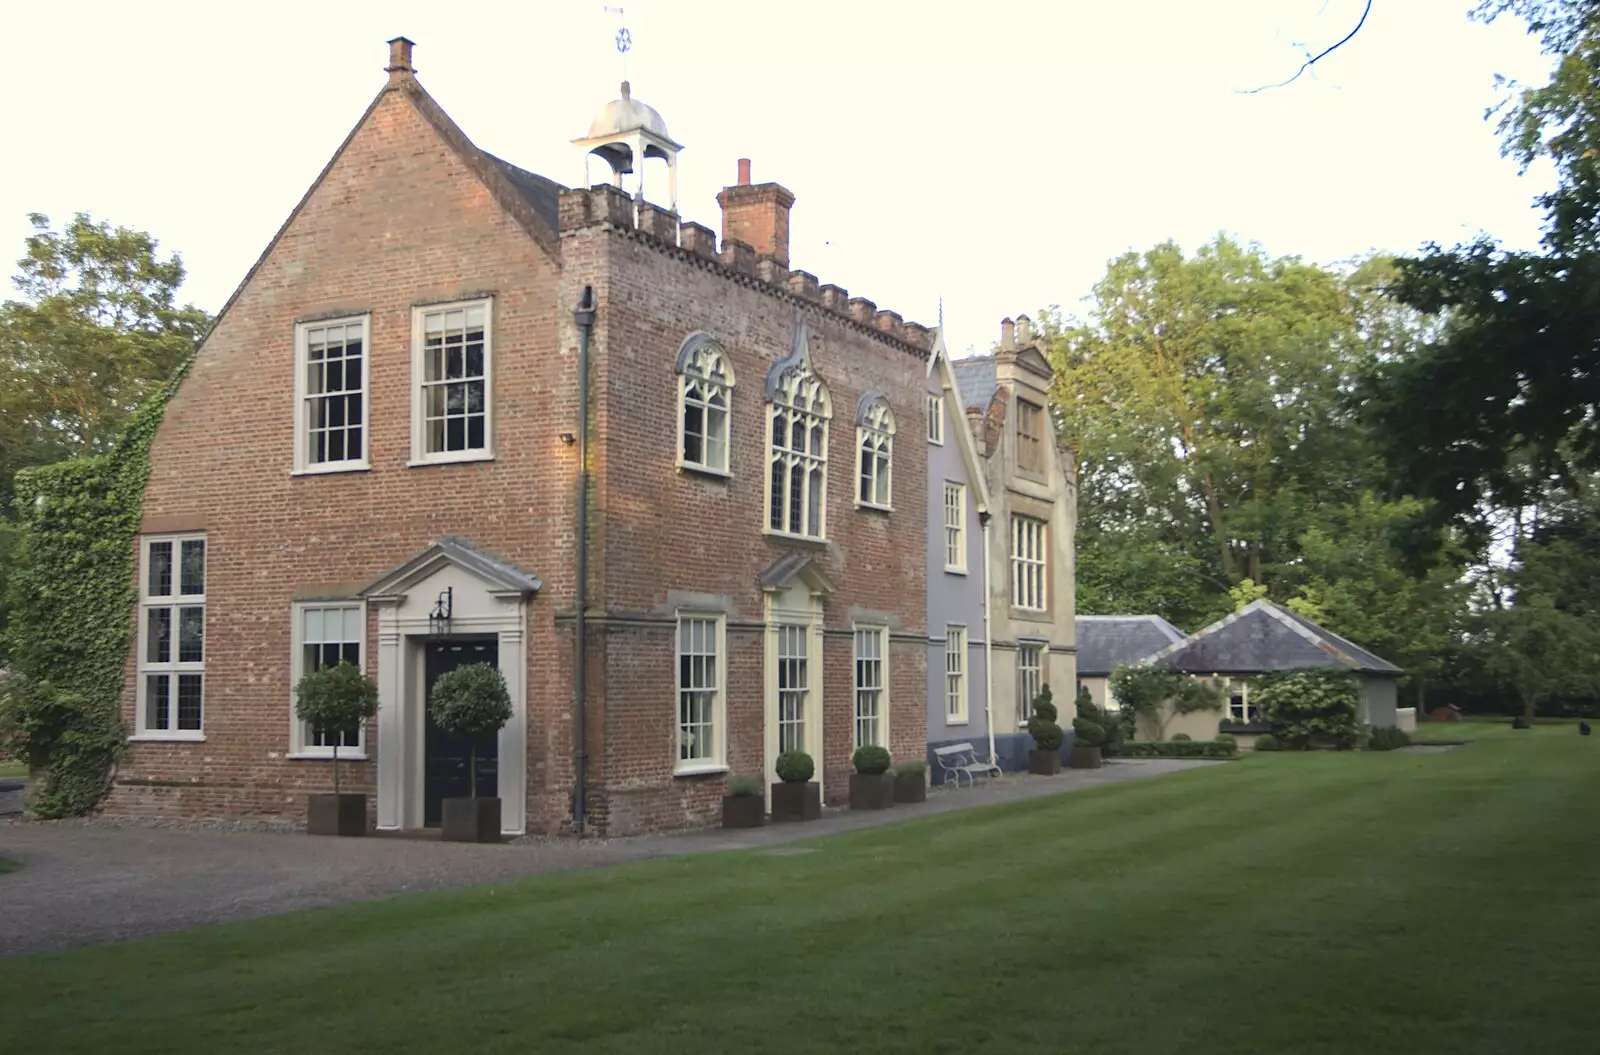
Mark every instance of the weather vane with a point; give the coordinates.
(624, 38)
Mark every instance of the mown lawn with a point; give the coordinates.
(12, 769)
(1330, 903)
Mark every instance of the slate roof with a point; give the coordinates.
(976, 378)
(1262, 637)
(542, 195)
(1106, 640)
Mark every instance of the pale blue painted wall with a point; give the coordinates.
(953, 598)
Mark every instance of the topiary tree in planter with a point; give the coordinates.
(742, 806)
(471, 701)
(1088, 737)
(796, 797)
(336, 698)
(1109, 722)
(1045, 758)
(871, 785)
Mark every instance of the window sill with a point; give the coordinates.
(935, 443)
(951, 570)
(451, 459)
(328, 470)
(873, 507)
(168, 738)
(957, 721)
(704, 470)
(804, 540)
(323, 756)
(704, 769)
(1039, 615)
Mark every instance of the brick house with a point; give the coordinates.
(378, 454)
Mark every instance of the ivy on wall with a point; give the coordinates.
(74, 598)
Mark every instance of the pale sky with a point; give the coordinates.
(997, 154)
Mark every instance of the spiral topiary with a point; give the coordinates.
(1088, 733)
(795, 767)
(1047, 735)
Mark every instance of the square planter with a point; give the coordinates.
(911, 787)
(336, 814)
(471, 821)
(797, 802)
(1044, 763)
(874, 792)
(743, 811)
(1086, 757)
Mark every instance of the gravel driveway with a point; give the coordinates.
(84, 883)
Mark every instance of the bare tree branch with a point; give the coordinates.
(1318, 57)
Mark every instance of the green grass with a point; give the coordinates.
(1325, 903)
(12, 769)
(1485, 727)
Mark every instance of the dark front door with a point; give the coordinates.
(447, 758)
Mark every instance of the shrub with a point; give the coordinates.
(1267, 742)
(1088, 733)
(1182, 749)
(470, 701)
(1312, 706)
(919, 768)
(1388, 738)
(335, 698)
(1110, 724)
(1182, 736)
(744, 787)
(1157, 693)
(1047, 735)
(1044, 705)
(795, 767)
(1226, 738)
(1519, 722)
(870, 760)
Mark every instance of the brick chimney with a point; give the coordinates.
(400, 67)
(757, 215)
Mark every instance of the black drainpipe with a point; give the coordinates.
(584, 318)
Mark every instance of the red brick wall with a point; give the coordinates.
(665, 529)
(399, 219)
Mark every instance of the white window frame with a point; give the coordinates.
(717, 761)
(955, 527)
(880, 716)
(303, 465)
(936, 419)
(1240, 688)
(173, 667)
(807, 691)
(1030, 564)
(697, 370)
(300, 745)
(955, 674)
(791, 388)
(1029, 676)
(419, 427)
(875, 440)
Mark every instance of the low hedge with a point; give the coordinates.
(1180, 749)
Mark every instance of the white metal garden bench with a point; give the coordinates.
(961, 760)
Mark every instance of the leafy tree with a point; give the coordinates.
(1209, 400)
(97, 331)
(471, 701)
(1154, 694)
(1506, 400)
(335, 698)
